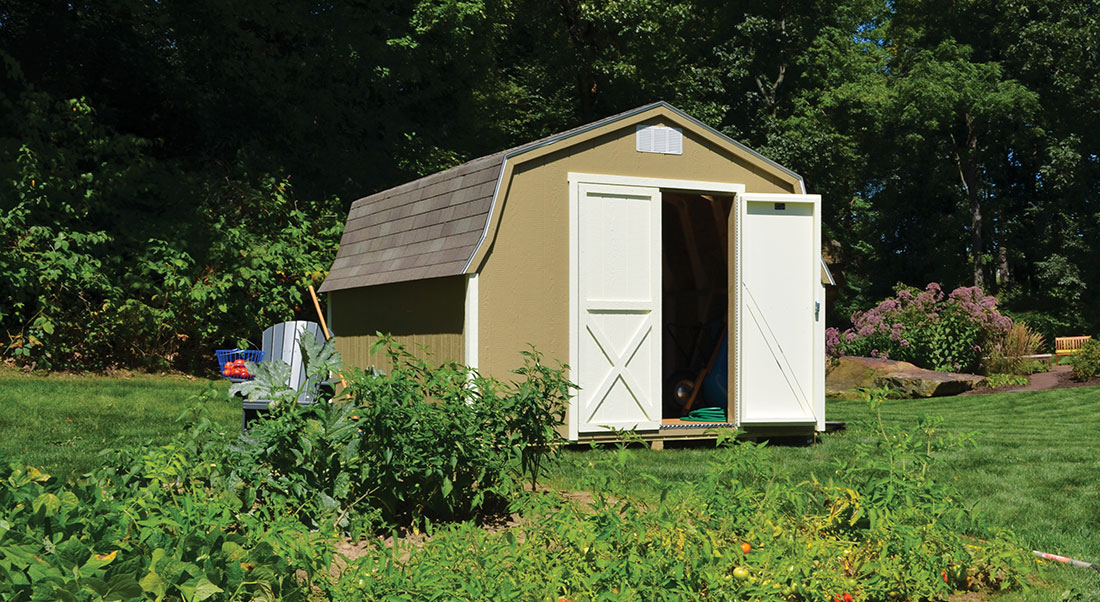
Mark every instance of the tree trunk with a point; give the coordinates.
(1003, 275)
(967, 163)
(580, 33)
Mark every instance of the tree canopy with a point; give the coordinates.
(174, 174)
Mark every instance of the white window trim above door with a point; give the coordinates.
(575, 182)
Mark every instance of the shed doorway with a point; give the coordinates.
(695, 295)
(618, 332)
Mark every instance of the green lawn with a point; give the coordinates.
(1036, 469)
(60, 423)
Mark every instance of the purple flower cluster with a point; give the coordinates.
(981, 308)
(925, 327)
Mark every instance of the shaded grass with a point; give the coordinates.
(60, 423)
(1035, 470)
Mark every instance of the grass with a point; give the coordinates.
(59, 423)
(1034, 470)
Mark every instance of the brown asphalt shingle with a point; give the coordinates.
(423, 229)
(431, 227)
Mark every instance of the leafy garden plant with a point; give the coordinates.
(932, 330)
(419, 442)
(881, 529)
(222, 517)
(1086, 362)
(996, 381)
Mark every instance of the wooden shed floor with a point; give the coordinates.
(676, 423)
(674, 429)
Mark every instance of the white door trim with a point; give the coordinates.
(575, 180)
(662, 183)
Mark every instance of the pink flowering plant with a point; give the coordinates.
(928, 328)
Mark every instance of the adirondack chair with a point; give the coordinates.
(280, 342)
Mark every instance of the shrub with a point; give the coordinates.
(155, 522)
(1086, 362)
(927, 328)
(442, 442)
(191, 263)
(420, 442)
(881, 529)
(1008, 355)
(998, 380)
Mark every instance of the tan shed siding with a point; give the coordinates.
(420, 314)
(524, 282)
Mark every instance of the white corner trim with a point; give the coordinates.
(470, 327)
(574, 304)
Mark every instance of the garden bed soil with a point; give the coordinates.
(1059, 377)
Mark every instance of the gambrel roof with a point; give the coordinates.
(435, 226)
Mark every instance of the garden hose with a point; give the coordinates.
(706, 415)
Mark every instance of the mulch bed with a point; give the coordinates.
(1059, 377)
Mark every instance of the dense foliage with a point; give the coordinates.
(216, 516)
(154, 523)
(175, 173)
(932, 330)
(420, 442)
(1086, 362)
(882, 529)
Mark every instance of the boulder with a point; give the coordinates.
(845, 374)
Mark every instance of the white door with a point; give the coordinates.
(617, 284)
(779, 241)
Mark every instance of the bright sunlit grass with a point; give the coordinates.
(60, 423)
(1035, 470)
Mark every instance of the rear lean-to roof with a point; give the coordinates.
(433, 226)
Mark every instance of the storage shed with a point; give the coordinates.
(628, 248)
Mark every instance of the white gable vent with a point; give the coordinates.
(659, 139)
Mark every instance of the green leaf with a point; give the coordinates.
(205, 589)
(233, 551)
(98, 586)
(154, 584)
(48, 500)
(121, 587)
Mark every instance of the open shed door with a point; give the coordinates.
(776, 309)
(617, 288)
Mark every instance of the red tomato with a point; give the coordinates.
(746, 548)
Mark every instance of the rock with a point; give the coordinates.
(905, 380)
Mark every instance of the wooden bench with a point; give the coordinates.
(1069, 345)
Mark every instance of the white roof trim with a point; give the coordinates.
(608, 121)
(828, 272)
